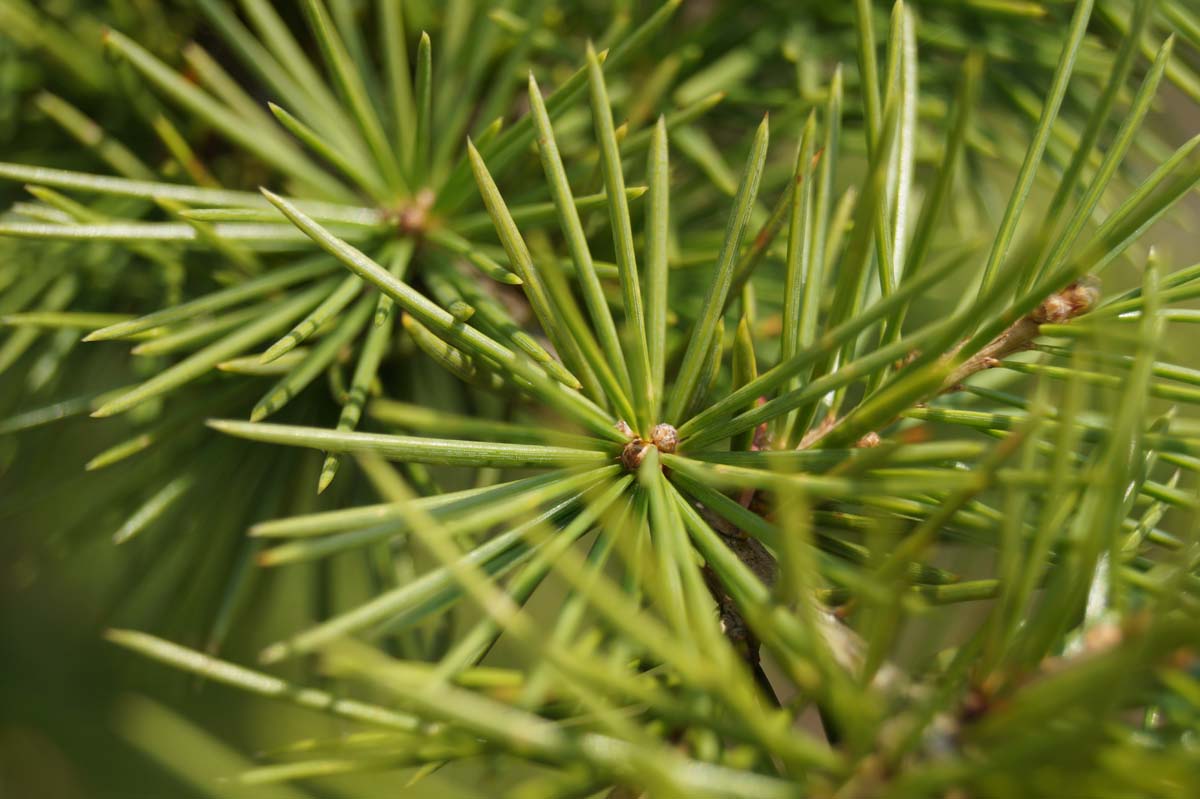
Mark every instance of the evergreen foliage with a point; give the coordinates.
(675, 400)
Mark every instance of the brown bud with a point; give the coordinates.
(633, 454)
(869, 441)
(1075, 300)
(414, 217)
(665, 437)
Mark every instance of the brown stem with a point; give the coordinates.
(1074, 300)
(756, 558)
